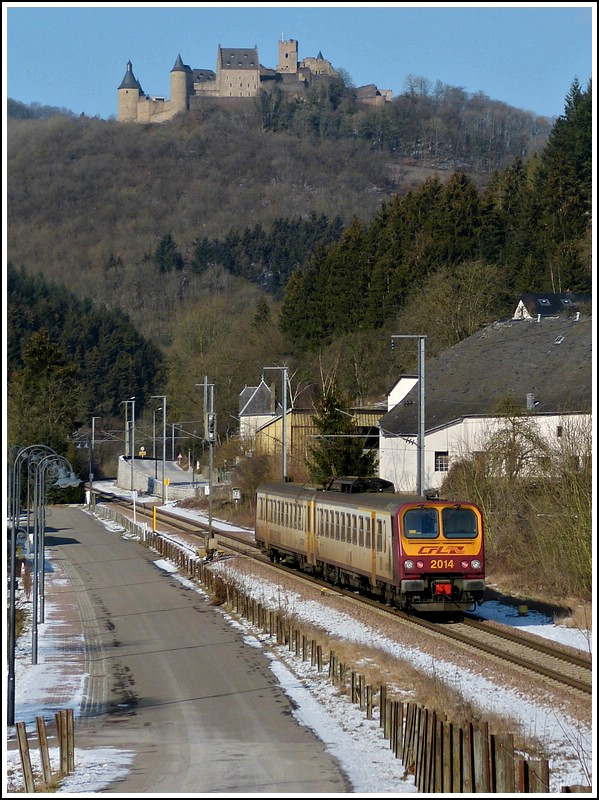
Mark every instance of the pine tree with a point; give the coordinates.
(340, 451)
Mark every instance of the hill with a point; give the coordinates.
(93, 198)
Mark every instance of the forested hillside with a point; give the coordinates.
(354, 223)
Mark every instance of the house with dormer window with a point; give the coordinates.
(542, 364)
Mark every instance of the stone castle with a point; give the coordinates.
(238, 74)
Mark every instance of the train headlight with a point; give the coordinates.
(409, 564)
(475, 564)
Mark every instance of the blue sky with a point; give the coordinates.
(75, 56)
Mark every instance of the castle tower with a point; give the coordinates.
(287, 56)
(179, 91)
(129, 93)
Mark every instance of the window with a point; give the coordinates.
(379, 535)
(421, 523)
(544, 302)
(566, 301)
(459, 523)
(560, 430)
(441, 461)
(361, 534)
(367, 531)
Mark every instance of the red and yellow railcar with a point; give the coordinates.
(406, 549)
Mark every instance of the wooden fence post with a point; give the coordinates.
(502, 753)
(70, 741)
(480, 758)
(25, 757)
(44, 754)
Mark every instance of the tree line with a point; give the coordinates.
(529, 228)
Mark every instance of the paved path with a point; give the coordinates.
(169, 678)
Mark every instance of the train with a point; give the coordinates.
(414, 552)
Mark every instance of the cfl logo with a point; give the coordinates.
(441, 549)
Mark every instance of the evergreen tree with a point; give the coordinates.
(340, 451)
(167, 257)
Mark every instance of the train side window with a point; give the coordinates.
(337, 531)
(421, 523)
(361, 533)
(459, 523)
(367, 532)
(379, 535)
(354, 528)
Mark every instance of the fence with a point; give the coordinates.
(441, 756)
(65, 735)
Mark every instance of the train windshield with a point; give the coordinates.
(459, 523)
(421, 523)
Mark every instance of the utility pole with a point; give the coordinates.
(283, 421)
(421, 425)
(210, 436)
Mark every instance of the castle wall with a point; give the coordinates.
(238, 82)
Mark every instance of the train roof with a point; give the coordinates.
(379, 500)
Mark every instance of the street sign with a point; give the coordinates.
(236, 494)
(142, 452)
(167, 481)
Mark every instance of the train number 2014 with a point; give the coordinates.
(441, 563)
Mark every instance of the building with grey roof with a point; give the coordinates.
(543, 366)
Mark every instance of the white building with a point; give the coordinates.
(543, 365)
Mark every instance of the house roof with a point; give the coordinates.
(550, 359)
(235, 58)
(256, 401)
(551, 304)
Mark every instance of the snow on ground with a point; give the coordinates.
(357, 742)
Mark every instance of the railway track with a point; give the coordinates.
(555, 663)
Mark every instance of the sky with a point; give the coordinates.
(524, 54)
(348, 735)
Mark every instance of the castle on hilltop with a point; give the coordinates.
(238, 74)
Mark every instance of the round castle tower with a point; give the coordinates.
(129, 93)
(179, 92)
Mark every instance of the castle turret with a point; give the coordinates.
(129, 94)
(287, 56)
(179, 87)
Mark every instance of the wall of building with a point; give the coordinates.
(398, 457)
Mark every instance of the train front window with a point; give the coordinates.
(459, 523)
(421, 523)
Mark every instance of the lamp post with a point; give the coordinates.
(284, 419)
(91, 461)
(163, 398)
(421, 426)
(46, 468)
(20, 456)
(32, 453)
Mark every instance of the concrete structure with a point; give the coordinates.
(238, 74)
(542, 366)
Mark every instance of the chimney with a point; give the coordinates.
(577, 316)
(530, 401)
(538, 317)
